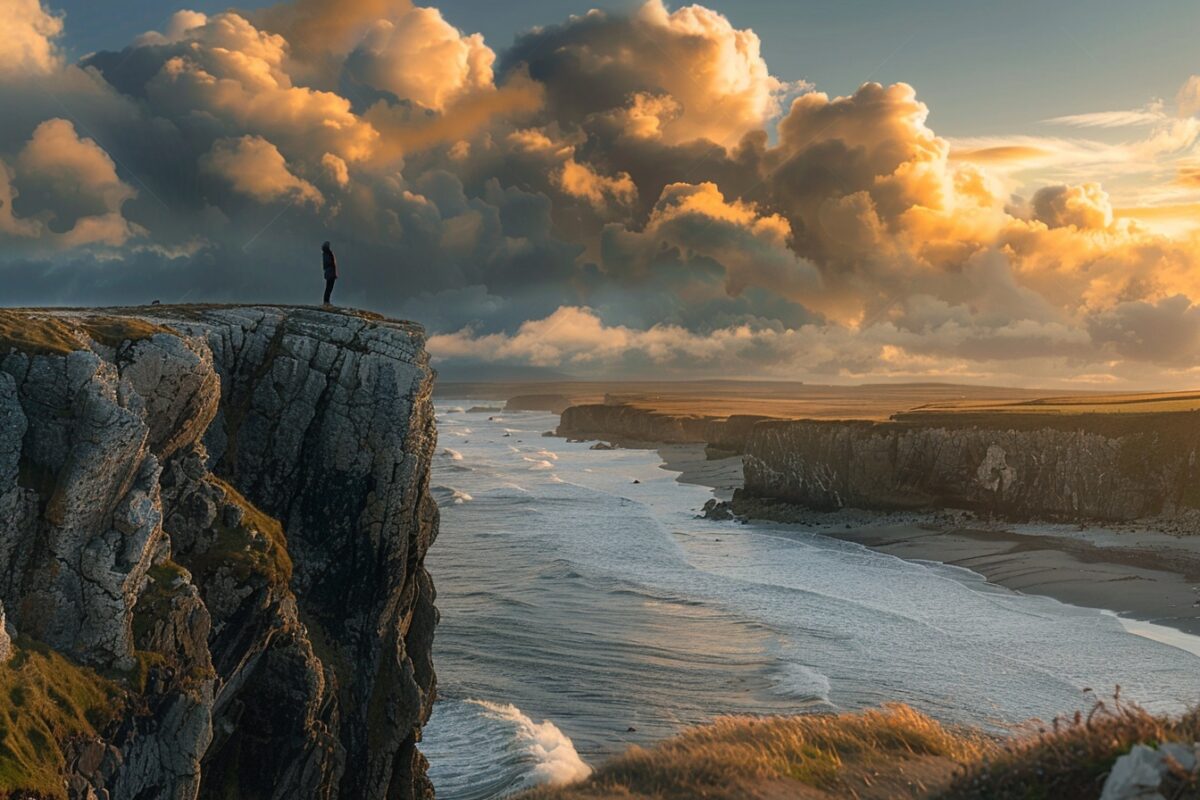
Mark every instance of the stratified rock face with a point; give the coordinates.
(1065, 471)
(233, 504)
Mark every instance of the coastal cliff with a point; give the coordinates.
(1095, 467)
(1086, 466)
(213, 523)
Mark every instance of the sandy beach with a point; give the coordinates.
(1139, 575)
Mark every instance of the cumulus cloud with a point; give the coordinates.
(229, 74)
(177, 29)
(420, 57)
(10, 225)
(1086, 206)
(255, 167)
(675, 76)
(694, 229)
(69, 191)
(620, 191)
(28, 44)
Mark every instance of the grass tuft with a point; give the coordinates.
(1071, 758)
(45, 700)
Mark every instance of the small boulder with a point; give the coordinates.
(1139, 774)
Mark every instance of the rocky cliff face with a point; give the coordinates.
(1100, 469)
(213, 524)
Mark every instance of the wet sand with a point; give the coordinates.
(1141, 575)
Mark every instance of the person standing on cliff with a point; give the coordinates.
(331, 270)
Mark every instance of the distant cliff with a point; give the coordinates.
(1087, 466)
(1096, 467)
(635, 424)
(213, 523)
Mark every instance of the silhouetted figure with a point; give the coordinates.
(331, 273)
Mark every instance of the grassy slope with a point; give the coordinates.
(47, 700)
(893, 752)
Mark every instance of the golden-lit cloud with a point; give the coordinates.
(236, 74)
(256, 168)
(1085, 206)
(180, 24)
(418, 56)
(27, 46)
(619, 191)
(580, 180)
(71, 187)
(671, 76)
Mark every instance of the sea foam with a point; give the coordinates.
(556, 761)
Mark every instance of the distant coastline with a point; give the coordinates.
(1142, 575)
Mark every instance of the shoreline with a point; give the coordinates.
(1149, 580)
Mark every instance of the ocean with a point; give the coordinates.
(585, 607)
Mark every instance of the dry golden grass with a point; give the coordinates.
(45, 700)
(892, 752)
(53, 334)
(1070, 759)
(35, 334)
(874, 753)
(115, 331)
(1131, 403)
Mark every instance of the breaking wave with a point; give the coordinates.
(519, 753)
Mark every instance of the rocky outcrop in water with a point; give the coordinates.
(213, 523)
(1083, 468)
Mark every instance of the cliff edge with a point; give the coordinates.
(213, 523)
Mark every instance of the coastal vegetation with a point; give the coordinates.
(890, 752)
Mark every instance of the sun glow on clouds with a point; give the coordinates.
(631, 192)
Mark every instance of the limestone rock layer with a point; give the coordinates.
(216, 519)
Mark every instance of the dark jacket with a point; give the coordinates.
(330, 264)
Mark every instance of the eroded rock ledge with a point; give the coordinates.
(213, 523)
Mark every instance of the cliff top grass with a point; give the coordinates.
(872, 754)
(37, 335)
(51, 334)
(46, 700)
(115, 331)
(1125, 403)
(887, 753)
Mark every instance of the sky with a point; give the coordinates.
(985, 192)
